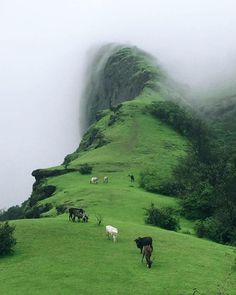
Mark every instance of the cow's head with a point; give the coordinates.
(138, 242)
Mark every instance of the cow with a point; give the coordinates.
(141, 242)
(94, 180)
(131, 177)
(111, 231)
(147, 253)
(105, 179)
(76, 212)
(84, 217)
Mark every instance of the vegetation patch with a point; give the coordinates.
(61, 209)
(151, 181)
(36, 211)
(162, 217)
(40, 174)
(41, 192)
(85, 169)
(93, 138)
(7, 240)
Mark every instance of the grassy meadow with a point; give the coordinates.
(56, 256)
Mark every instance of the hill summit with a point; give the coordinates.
(120, 73)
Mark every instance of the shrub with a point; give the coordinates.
(7, 241)
(113, 118)
(162, 217)
(93, 138)
(85, 169)
(41, 192)
(14, 212)
(151, 181)
(99, 219)
(36, 211)
(215, 229)
(61, 209)
(69, 158)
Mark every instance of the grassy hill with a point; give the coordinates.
(55, 256)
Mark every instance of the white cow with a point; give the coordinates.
(94, 179)
(105, 179)
(111, 231)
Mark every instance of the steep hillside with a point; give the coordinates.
(125, 141)
(66, 257)
(56, 256)
(120, 73)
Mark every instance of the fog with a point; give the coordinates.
(44, 48)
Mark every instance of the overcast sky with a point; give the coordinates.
(44, 47)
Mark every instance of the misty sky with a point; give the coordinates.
(44, 48)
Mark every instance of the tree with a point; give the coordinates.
(162, 217)
(7, 240)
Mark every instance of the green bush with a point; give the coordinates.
(61, 209)
(85, 169)
(92, 139)
(7, 240)
(69, 158)
(36, 211)
(151, 181)
(215, 229)
(162, 217)
(14, 212)
(41, 192)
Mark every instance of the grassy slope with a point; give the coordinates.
(55, 256)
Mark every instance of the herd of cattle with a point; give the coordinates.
(144, 244)
(94, 179)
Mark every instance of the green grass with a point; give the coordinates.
(55, 256)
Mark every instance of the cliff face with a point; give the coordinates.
(117, 74)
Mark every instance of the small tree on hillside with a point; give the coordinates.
(7, 240)
(85, 169)
(162, 217)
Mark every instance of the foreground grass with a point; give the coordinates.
(55, 256)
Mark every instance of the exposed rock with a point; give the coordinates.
(117, 74)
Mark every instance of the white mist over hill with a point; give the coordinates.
(44, 48)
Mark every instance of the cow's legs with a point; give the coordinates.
(142, 257)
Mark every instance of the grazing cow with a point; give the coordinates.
(141, 242)
(76, 212)
(131, 177)
(111, 231)
(147, 252)
(84, 217)
(105, 179)
(94, 179)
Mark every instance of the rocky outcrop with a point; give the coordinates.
(117, 74)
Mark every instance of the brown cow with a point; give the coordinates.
(147, 252)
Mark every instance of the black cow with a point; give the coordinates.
(131, 177)
(76, 212)
(84, 217)
(141, 242)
